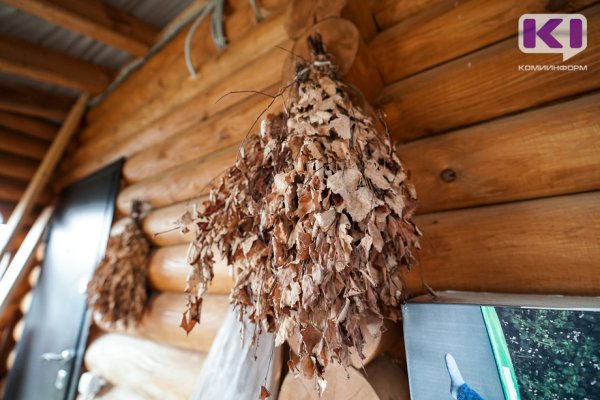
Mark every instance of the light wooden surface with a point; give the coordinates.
(161, 227)
(42, 64)
(388, 13)
(96, 19)
(30, 126)
(152, 370)
(475, 87)
(181, 183)
(548, 246)
(341, 384)
(449, 30)
(168, 270)
(549, 151)
(23, 145)
(168, 66)
(163, 316)
(237, 56)
(222, 130)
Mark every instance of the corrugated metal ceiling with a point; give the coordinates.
(18, 24)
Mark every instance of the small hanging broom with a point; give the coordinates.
(117, 291)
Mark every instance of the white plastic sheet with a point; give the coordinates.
(236, 370)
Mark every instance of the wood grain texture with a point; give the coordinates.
(163, 316)
(32, 102)
(42, 64)
(33, 127)
(550, 151)
(123, 136)
(168, 66)
(152, 370)
(17, 167)
(169, 78)
(388, 13)
(224, 129)
(96, 19)
(161, 226)
(484, 85)
(22, 145)
(181, 183)
(448, 30)
(547, 246)
(168, 270)
(341, 384)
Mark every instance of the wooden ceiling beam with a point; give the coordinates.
(33, 102)
(34, 127)
(17, 167)
(11, 189)
(95, 19)
(41, 64)
(22, 145)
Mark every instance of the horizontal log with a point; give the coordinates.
(17, 167)
(169, 66)
(152, 370)
(184, 182)
(95, 19)
(168, 269)
(42, 64)
(447, 31)
(34, 127)
(124, 139)
(256, 43)
(222, 130)
(161, 226)
(341, 384)
(549, 151)
(547, 246)
(474, 88)
(32, 102)
(388, 13)
(163, 316)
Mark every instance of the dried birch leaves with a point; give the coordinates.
(117, 291)
(315, 219)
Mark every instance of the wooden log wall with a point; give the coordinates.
(506, 162)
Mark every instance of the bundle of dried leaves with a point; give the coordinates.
(315, 219)
(117, 291)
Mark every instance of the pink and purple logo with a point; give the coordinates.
(553, 33)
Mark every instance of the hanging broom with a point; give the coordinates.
(117, 291)
(315, 218)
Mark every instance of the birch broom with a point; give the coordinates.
(117, 291)
(315, 220)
